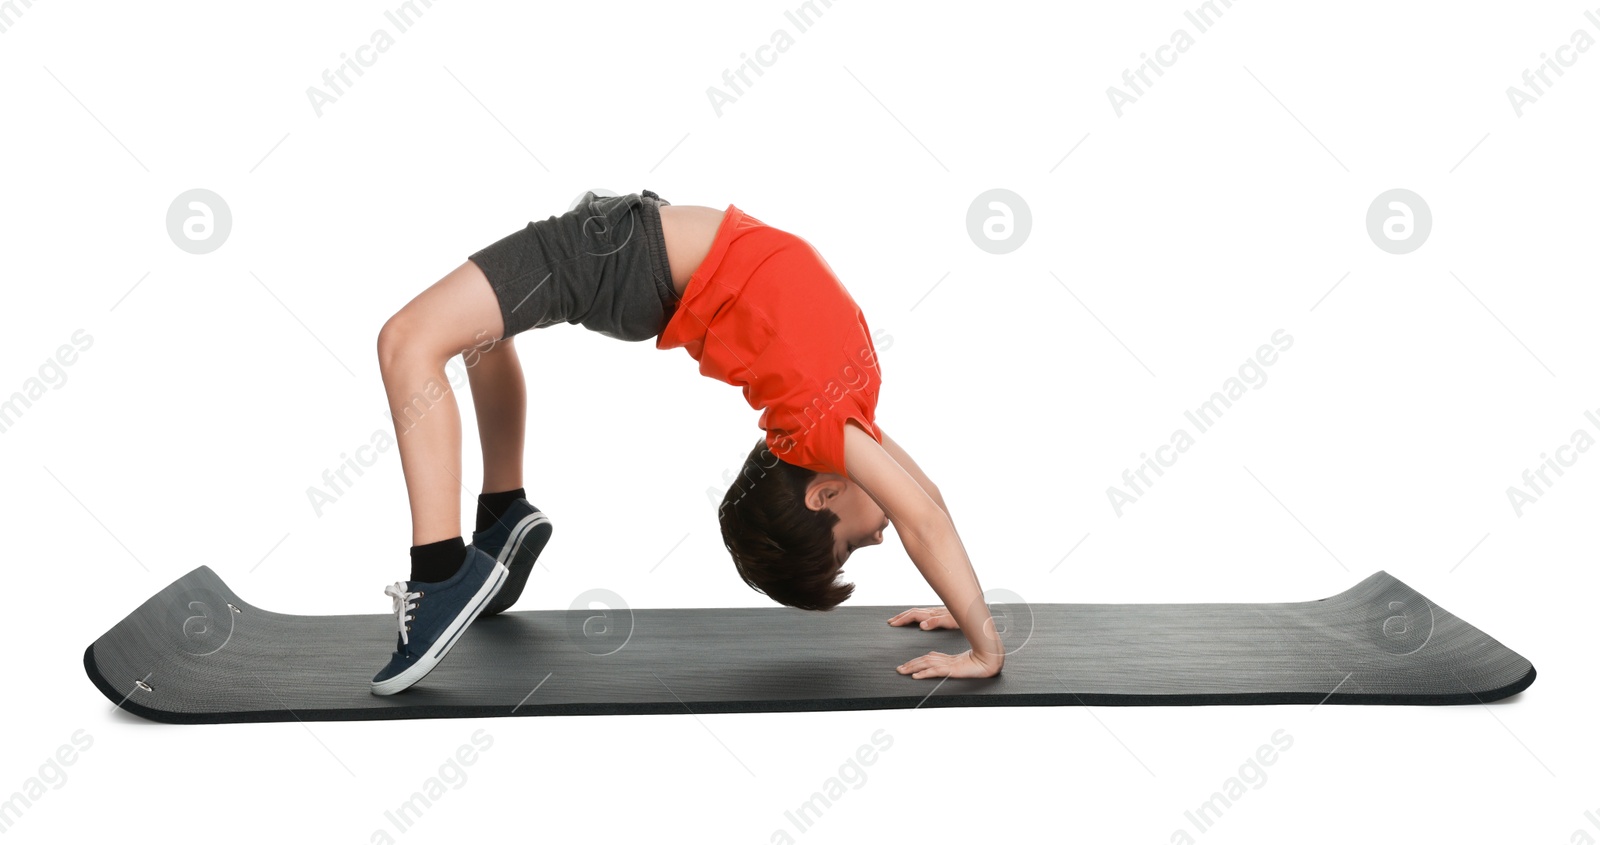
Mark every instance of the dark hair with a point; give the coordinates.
(781, 547)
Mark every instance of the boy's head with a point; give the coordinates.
(790, 529)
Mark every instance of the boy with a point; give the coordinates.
(756, 307)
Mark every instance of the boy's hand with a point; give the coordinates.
(930, 617)
(936, 664)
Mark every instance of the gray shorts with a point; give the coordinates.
(602, 265)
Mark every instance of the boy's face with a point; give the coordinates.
(861, 521)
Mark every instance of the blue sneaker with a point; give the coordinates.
(515, 541)
(432, 617)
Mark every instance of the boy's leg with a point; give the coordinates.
(455, 315)
(507, 525)
(451, 583)
(500, 400)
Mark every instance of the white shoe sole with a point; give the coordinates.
(519, 535)
(447, 639)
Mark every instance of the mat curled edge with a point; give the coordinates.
(196, 653)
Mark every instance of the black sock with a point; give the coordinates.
(435, 562)
(492, 506)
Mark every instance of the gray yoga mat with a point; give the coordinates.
(197, 653)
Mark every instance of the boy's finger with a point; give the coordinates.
(910, 615)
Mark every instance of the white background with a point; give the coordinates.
(1220, 207)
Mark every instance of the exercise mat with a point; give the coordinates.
(197, 653)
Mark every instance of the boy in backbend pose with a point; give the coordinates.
(756, 307)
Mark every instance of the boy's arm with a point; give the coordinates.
(910, 466)
(929, 617)
(930, 539)
(934, 617)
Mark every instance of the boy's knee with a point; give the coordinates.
(399, 336)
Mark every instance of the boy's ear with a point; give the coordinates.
(821, 490)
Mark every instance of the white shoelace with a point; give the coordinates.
(402, 603)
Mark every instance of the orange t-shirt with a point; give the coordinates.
(765, 312)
